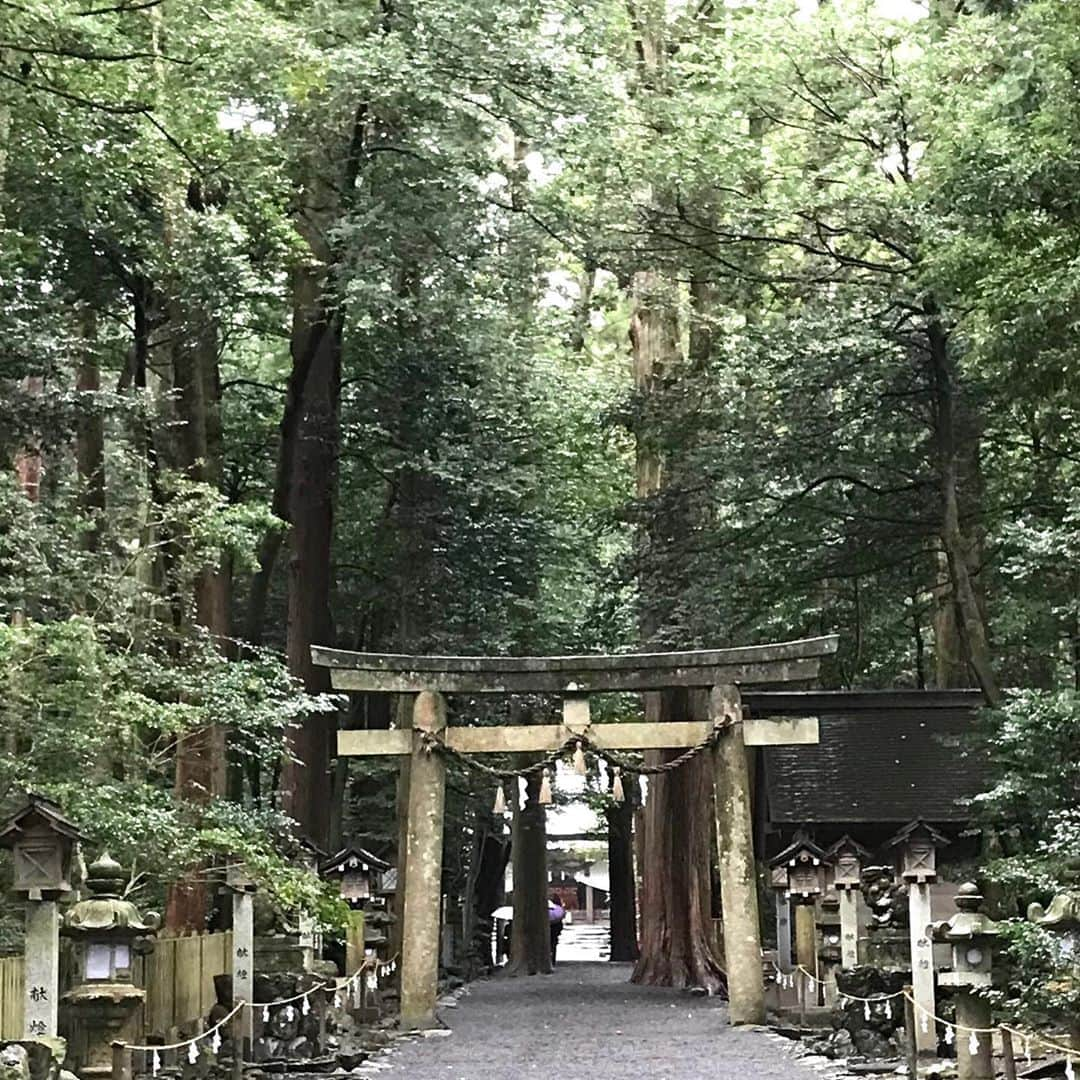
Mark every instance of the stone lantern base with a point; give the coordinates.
(98, 1014)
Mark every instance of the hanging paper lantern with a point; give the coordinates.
(544, 798)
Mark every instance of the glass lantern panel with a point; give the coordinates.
(98, 962)
(121, 957)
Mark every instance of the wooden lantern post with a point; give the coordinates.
(799, 871)
(848, 859)
(242, 887)
(915, 847)
(43, 844)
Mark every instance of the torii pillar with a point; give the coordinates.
(738, 876)
(423, 857)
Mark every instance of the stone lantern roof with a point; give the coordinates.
(105, 909)
(1063, 914)
(969, 922)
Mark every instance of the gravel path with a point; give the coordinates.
(587, 1021)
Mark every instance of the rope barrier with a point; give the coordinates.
(214, 1033)
(928, 1016)
(208, 1033)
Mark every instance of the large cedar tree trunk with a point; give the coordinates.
(623, 903)
(201, 756)
(314, 393)
(676, 861)
(677, 942)
(956, 543)
(530, 942)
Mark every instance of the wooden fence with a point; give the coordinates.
(178, 977)
(11, 997)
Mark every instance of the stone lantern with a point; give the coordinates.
(108, 932)
(848, 859)
(44, 847)
(972, 935)
(1062, 919)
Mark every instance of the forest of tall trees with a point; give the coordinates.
(459, 327)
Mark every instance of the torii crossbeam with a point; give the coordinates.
(721, 671)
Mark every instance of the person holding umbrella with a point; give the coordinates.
(556, 917)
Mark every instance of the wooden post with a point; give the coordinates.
(354, 942)
(243, 967)
(849, 928)
(423, 882)
(783, 930)
(121, 1062)
(1008, 1055)
(806, 937)
(911, 1045)
(41, 981)
(590, 909)
(922, 962)
(738, 877)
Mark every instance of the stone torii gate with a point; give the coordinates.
(721, 671)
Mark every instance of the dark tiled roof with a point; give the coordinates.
(883, 765)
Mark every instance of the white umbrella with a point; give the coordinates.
(506, 912)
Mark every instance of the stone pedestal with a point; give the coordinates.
(100, 1015)
(973, 1012)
